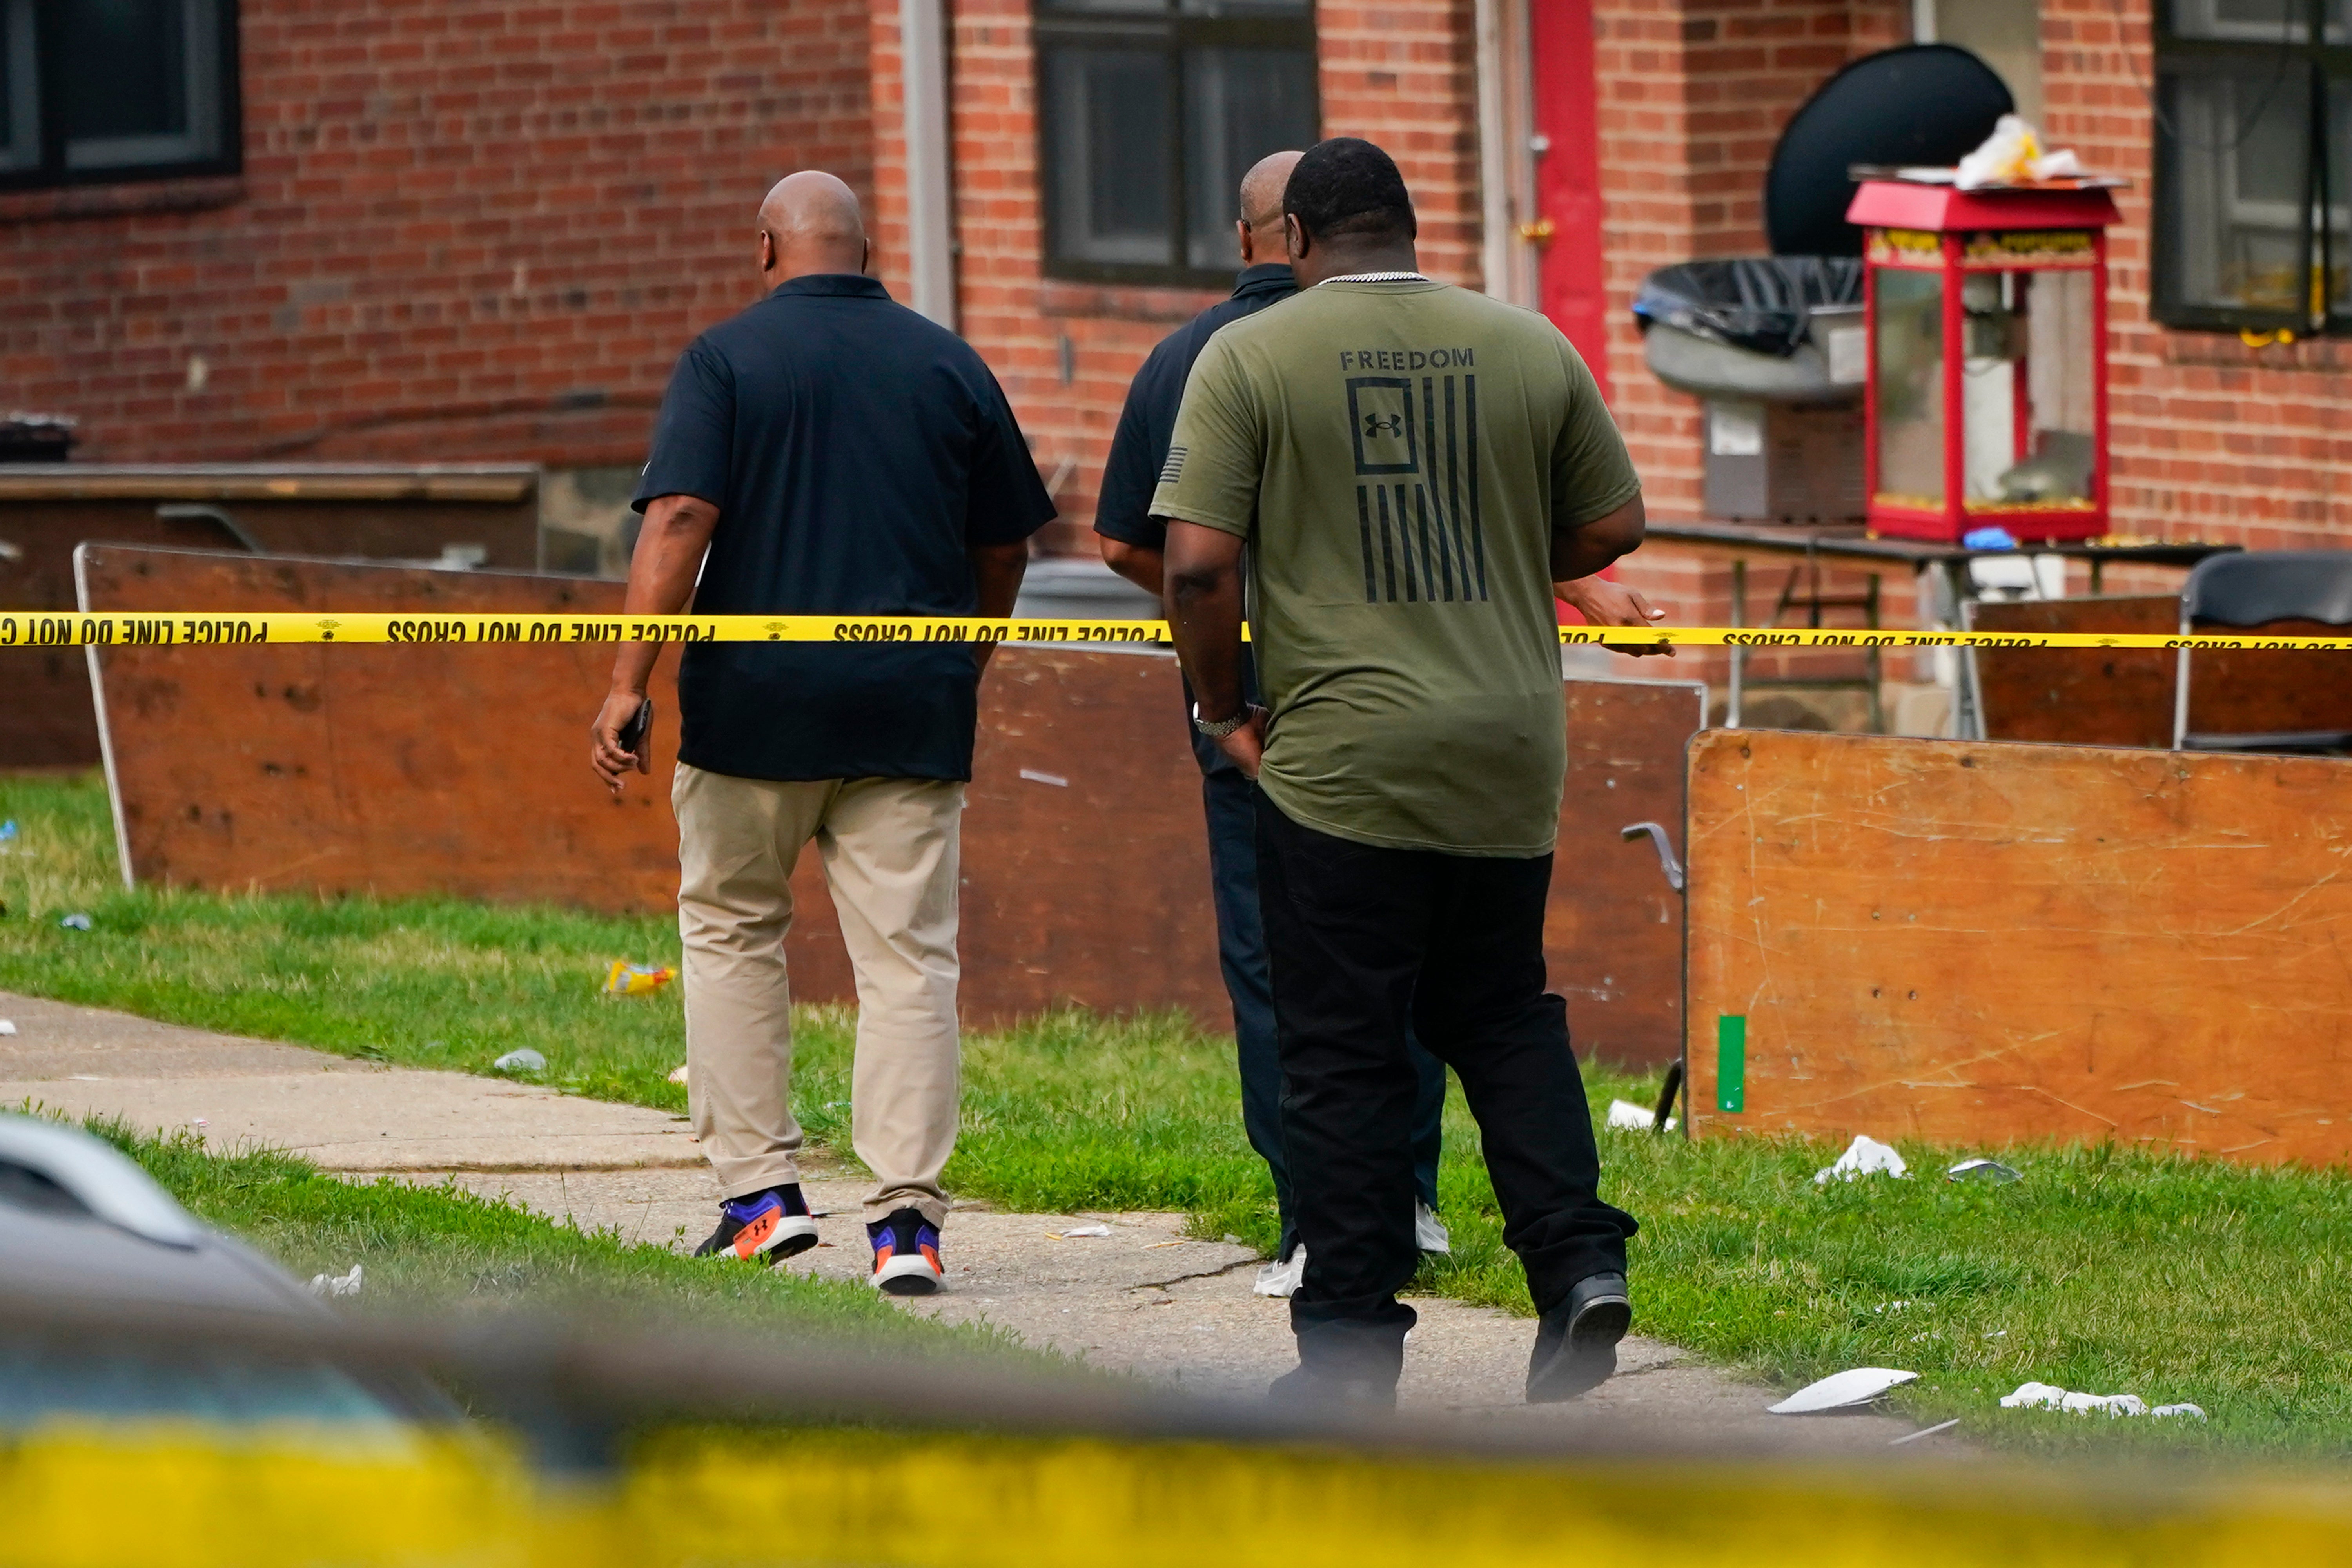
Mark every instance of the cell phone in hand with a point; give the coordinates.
(633, 734)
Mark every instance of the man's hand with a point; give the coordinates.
(1605, 603)
(668, 557)
(606, 753)
(1246, 745)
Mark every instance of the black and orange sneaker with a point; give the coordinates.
(905, 1254)
(762, 1226)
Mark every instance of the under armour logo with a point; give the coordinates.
(1380, 424)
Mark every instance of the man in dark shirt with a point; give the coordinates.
(827, 449)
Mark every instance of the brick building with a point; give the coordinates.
(483, 228)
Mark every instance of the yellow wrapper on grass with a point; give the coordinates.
(627, 979)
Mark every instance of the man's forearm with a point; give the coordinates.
(1139, 564)
(996, 574)
(1204, 602)
(662, 572)
(1593, 547)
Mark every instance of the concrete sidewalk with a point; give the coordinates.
(336, 1113)
(1145, 1299)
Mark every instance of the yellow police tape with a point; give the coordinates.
(179, 1499)
(187, 628)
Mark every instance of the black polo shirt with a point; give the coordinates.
(854, 451)
(1148, 425)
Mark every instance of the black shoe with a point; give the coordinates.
(1576, 1343)
(1306, 1388)
(762, 1226)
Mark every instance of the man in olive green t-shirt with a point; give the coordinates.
(1412, 468)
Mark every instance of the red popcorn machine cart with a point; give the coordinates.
(1986, 402)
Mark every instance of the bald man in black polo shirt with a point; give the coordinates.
(827, 449)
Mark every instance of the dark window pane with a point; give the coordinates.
(2339, 196)
(1104, 8)
(1239, 106)
(2234, 203)
(122, 66)
(2249, 21)
(20, 105)
(140, 81)
(1107, 150)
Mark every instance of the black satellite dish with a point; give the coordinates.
(1923, 103)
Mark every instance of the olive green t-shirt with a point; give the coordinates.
(1398, 455)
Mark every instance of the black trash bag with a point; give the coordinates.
(1757, 303)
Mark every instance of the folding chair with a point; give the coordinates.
(2254, 588)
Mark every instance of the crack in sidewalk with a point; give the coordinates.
(1204, 1274)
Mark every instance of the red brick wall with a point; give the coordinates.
(2210, 439)
(457, 218)
(1692, 96)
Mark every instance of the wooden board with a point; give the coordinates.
(2123, 696)
(1613, 933)
(49, 721)
(1983, 943)
(461, 771)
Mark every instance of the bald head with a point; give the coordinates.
(1261, 224)
(810, 223)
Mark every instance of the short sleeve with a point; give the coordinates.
(1004, 501)
(694, 437)
(1131, 472)
(1214, 462)
(1591, 472)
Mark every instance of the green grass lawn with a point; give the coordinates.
(2105, 1269)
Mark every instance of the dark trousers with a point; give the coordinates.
(1231, 803)
(1366, 944)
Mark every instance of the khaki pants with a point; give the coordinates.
(889, 852)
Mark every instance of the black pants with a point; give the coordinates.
(1366, 944)
(1230, 801)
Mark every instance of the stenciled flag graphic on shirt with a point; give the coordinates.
(1416, 446)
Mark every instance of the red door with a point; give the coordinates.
(1568, 175)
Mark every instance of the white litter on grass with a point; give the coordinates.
(336, 1285)
(524, 1061)
(2049, 1397)
(1982, 1170)
(1634, 1118)
(1079, 1232)
(1281, 1279)
(8, 1026)
(677, 1073)
(76, 923)
(1429, 1232)
(1864, 1156)
(1841, 1391)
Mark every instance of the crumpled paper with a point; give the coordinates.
(2049, 1397)
(1636, 1118)
(1864, 1156)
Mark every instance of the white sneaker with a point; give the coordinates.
(1428, 1230)
(1282, 1279)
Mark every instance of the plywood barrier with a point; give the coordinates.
(2123, 696)
(377, 510)
(447, 769)
(1978, 943)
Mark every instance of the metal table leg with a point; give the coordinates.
(1739, 655)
